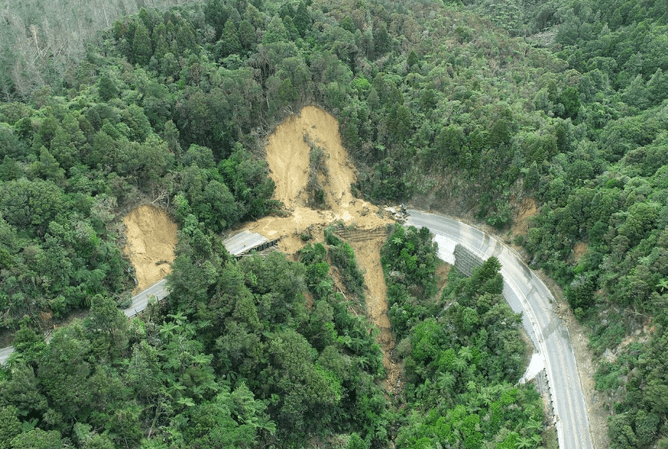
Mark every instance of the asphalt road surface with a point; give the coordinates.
(243, 242)
(4, 353)
(235, 245)
(139, 303)
(525, 292)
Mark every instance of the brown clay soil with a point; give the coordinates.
(578, 251)
(442, 271)
(151, 239)
(367, 254)
(288, 156)
(527, 209)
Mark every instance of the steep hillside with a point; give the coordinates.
(436, 104)
(151, 239)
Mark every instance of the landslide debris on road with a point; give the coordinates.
(151, 240)
(289, 155)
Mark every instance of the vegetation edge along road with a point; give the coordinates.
(159, 290)
(139, 303)
(566, 395)
(570, 408)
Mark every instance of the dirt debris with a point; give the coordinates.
(522, 218)
(151, 240)
(288, 156)
(368, 258)
(442, 271)
(578, 251)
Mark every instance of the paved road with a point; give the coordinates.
(243, 242)
(4, 353)
(139, 303)
(235, 245)
(525, 292)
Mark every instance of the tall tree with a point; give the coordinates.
(229, 41)
(302, 20)
(141, 45)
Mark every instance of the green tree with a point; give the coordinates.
(106, 88)
(216, 15)
(106, 327)
(247, 37)
(10, 426)
(141, 45)
(37, 439)
(381, 40)
(229, 41)
(412, 59)
(276, 31)
(63, 372)
(302, 20)
(570, 98)
(229, 420)
(22, 391)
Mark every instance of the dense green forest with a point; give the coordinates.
(474, 105)
(236, 358)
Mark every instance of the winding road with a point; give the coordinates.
(523, 290)
(526, 293)
(139, 303)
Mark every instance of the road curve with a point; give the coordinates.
(525, 292)
(140, 301)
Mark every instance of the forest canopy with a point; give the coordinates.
(470, 107)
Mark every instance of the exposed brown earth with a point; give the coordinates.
(288, 156)
(151, 240)
(578, 251)
(526, 210)
(368, 257)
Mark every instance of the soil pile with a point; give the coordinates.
(522, 217)
(368, 258)
(288, 156)
(151, 239)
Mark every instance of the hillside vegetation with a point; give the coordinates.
(436, 103)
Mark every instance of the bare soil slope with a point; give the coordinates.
(368, 257)
(151, 239)
(288, 156)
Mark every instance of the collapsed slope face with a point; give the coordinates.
(151, 240)
(288, 156)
